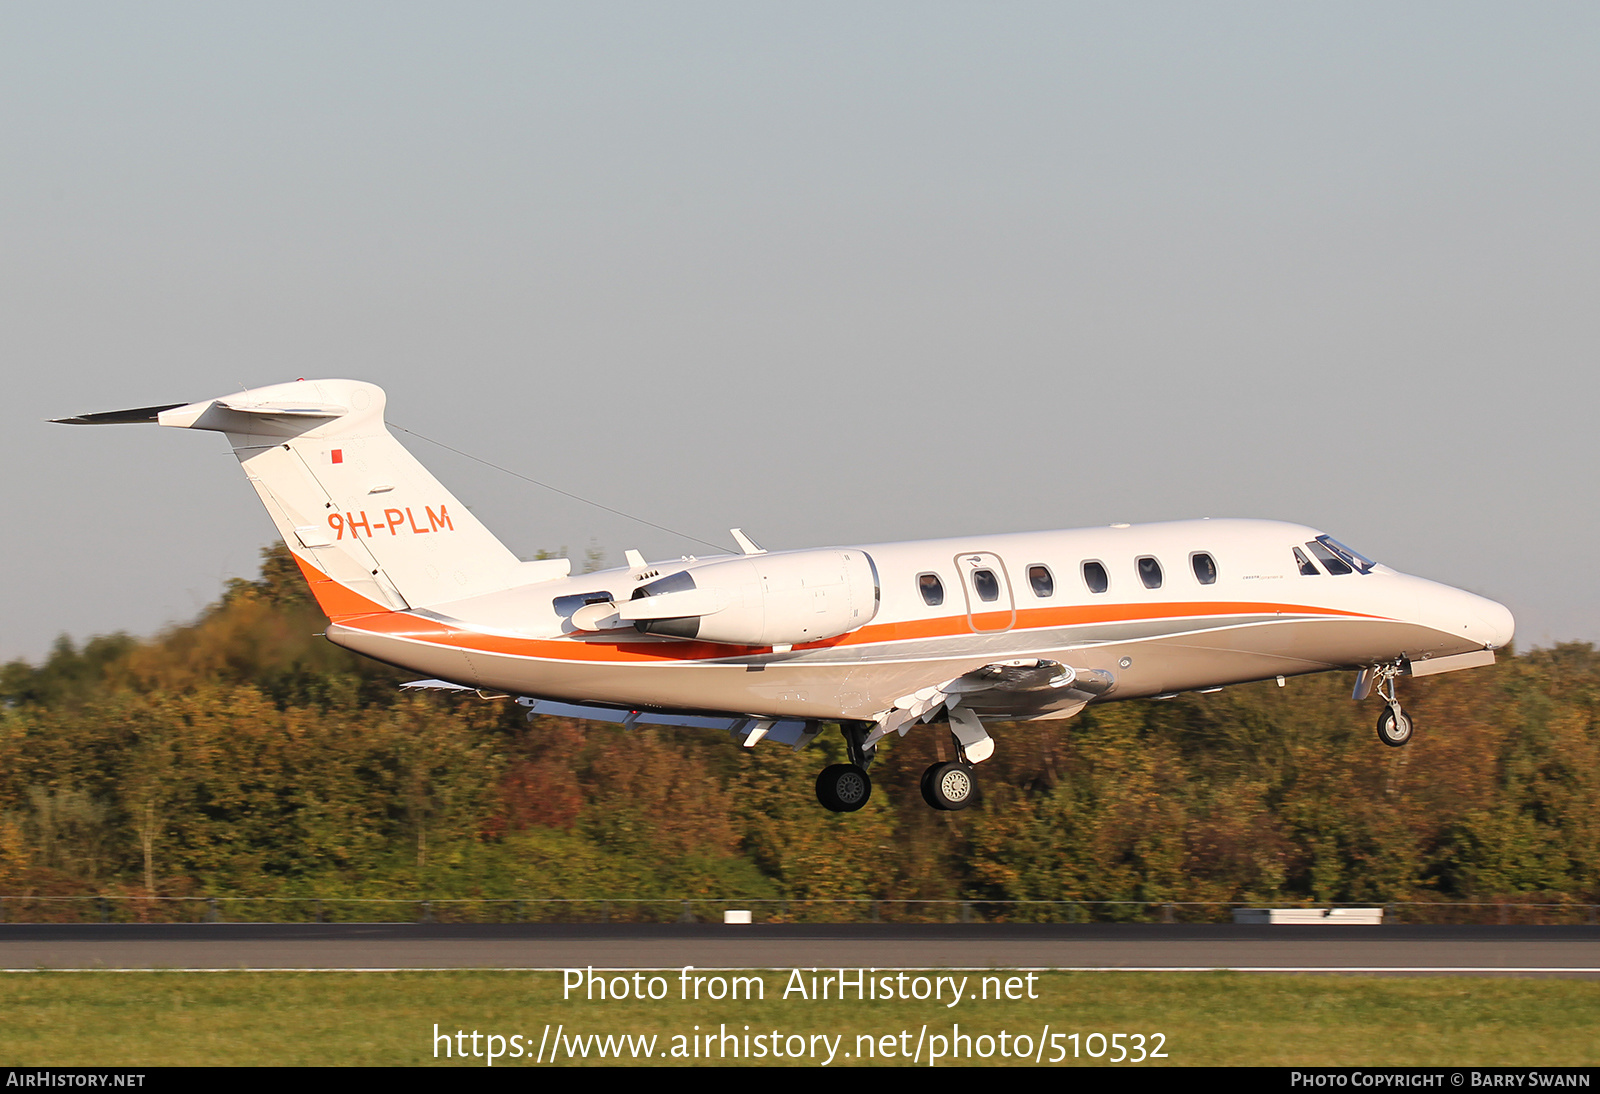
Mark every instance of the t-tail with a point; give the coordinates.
(372, 530)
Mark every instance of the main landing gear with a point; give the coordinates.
(949, 786)
(1394, 724)
(844, 788)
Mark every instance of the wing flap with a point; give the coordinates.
(1022, 689)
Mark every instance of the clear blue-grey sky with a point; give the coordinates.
(832, 272)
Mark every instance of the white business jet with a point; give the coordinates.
(769, 645)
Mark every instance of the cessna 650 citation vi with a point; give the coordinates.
(769, 645)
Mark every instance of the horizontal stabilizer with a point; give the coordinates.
(279, 410)
(143, 414)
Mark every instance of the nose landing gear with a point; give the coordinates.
(1394, 724)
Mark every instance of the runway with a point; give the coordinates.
(1397, 950)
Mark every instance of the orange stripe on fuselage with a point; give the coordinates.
(417, 628)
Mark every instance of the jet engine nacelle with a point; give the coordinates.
(760, 600)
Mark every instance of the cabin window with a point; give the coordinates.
(1332, 562)
(1307, 567)
(1094, 576)
(931, 588)
(1044, 584)
(566, 605)
(1205, 568)
(1150, 572)
(986, 585)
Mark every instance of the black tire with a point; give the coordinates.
(926, 785)
(951, 786)
(1392, 731)
(843, 788)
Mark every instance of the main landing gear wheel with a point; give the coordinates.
(843, 788)
(949, 786)
(1394, 727)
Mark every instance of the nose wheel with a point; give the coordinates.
(1394, 724)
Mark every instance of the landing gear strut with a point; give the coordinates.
(952, 786)
(1394, 724)
(844, 788)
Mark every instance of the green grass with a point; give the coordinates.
(267, 1018)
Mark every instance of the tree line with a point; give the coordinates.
(242, 755)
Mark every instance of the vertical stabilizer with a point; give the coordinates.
(371, 528)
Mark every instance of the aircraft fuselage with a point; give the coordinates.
(1257, 617)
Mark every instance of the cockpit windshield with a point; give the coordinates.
(1357, 562)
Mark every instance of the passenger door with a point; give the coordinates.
(987, 587)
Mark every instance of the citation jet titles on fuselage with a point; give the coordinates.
(769, 645)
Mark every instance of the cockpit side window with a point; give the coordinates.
(1332, 562)
(931, 588)
(1307, 567)
(1205, 568)
(1149, 572)
(1043, 582)
(1094, 576)
(1356, 561)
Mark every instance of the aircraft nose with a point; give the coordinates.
(1477, 619)
(1495, 626)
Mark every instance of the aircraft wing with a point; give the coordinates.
(748, 729)
(1022, 689)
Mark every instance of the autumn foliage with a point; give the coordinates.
(242, 755)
